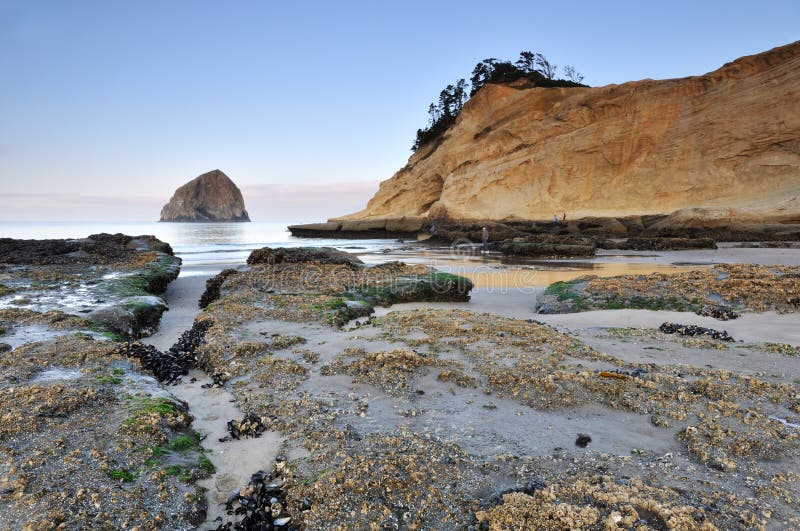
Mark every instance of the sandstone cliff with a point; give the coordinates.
(209, 197)
(720, 146)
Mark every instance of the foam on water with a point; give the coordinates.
(785, 422)
(57, 373)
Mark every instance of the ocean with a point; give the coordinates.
(207, 248)
(197, 244)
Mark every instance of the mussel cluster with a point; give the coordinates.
(191, 339)
(251, 425)
(169, 366)
(213, 286)
(529, 489)
(723, 313)
(262, 502)
(693, 331)
(217, 380)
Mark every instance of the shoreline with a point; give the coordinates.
(656, 225)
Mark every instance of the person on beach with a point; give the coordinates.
(564, 217)
(555, 219)
(485, 236)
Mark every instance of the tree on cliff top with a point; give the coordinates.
(533, 68)
(443, 114)
(572, 75)
(530, 62)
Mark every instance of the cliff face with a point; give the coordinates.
(724, 145)
(209, 197)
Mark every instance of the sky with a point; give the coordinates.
(107, 106)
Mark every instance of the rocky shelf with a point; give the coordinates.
(288, 404)
(366, 229)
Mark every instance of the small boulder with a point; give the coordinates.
(317, 255)
(133, 317)
(546, 249)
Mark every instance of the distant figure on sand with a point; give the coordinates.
(555, 219)
(564, 218)
(485, 236)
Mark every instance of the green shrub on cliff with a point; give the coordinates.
(533, 68)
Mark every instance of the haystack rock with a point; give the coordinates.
(209, 197)
(713, 149)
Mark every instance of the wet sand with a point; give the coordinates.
(483, 424)
(211, 408)
(233, 460)
(727, 253)
(505, 273)
(521, 304)
(506, 277)
(181, 296)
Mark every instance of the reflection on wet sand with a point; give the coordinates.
(486, 276)
(497, 272)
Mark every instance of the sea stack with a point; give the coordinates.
(210, 197)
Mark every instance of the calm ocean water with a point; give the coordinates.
(196, 243)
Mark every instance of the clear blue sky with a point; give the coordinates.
(131, 99)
